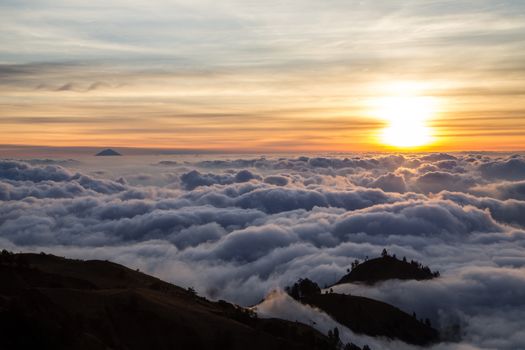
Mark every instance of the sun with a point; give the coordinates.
(407, 116)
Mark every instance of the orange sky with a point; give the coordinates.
(243, 76)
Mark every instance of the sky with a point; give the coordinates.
(264, 76)
(266, 141)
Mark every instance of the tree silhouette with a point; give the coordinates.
(6, 257)
(333, 337)
(303, 288)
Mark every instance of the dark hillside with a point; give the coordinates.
(374, 318)
(47, 302)
(385, 268)
(364, 315)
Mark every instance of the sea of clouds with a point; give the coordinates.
(236, 228)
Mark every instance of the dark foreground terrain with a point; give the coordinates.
(48, 302)
(374, 318)
(365, 315)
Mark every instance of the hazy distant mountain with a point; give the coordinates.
(108, 152)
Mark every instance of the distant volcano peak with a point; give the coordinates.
(108, 152)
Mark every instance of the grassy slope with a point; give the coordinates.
(47, 302)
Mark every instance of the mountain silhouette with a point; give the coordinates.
(385, 268)
(108, 152)
(373, 318)
(365, 315)
(49, 302)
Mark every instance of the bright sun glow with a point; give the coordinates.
(407, 117)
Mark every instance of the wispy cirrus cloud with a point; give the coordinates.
(209, 58)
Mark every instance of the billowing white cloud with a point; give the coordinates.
(510, 169)
(237, 229)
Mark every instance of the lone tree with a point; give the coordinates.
(303, 288)
(384, 253)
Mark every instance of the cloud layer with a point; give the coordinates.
(238, 228)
